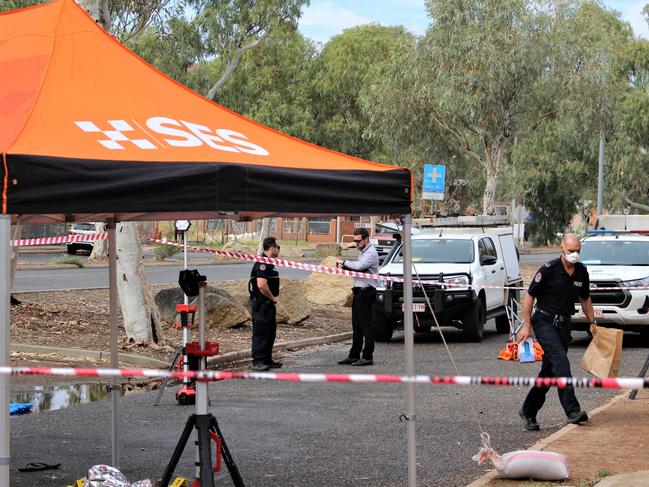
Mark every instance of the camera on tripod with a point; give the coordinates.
(190, 281)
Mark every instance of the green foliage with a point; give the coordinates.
(7, 5)
(173, 50)
(346, 65)
(163, 252)
(71, 260)
(270, 85)
(552, 205)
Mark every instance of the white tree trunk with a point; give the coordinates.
(17, 233)
(492, 162)
(265, 232)
(489, 195)
(140, 313)
(98, 10)
(100, 247)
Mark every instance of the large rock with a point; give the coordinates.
(293, 306)
(222, 310)
(328, 289)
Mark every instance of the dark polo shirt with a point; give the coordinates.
(556, 291)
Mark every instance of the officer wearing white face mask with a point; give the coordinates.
(556, 287)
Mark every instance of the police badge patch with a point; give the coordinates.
(262, 267)
(537, 277)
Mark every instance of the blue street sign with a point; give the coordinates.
(434, 180)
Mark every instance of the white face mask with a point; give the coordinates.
(572, 257)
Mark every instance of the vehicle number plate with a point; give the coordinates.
(416, 307)
(596, 311)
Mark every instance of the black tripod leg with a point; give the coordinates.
(205, 450)
(643, 374)
(180, 446)
(164, 381)
(227, 458)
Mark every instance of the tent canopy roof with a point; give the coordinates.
(88, 128)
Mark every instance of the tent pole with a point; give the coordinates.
(409, 341)
(5, 380)
(114, 361)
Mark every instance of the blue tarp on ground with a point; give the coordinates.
(18, 408)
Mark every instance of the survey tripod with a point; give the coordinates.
(187, 394)
(206, 425)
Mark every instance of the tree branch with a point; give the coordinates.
(640, 206)
(232, 64)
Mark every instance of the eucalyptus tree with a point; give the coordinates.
(608, 93)
(271, 84)
(230, 28)
(484, 73)
(346, 65)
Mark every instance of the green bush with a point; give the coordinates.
(163, 252)
(68, 259)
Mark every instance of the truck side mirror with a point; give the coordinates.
(488, 260)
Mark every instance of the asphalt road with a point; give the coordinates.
(314, 434)
(96, 277)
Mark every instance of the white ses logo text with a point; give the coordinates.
(160, 132)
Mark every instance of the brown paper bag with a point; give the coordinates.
(602, 357)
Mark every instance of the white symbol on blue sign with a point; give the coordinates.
(434, 178)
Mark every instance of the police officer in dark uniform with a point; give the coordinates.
(264, 289)
(556, 287)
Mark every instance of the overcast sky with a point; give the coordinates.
(326, 18)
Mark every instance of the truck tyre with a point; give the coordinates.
(473, 322)
(502, 322)
(381, 325)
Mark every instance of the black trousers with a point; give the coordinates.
(264, 330)
(362, 337)
(554, 340)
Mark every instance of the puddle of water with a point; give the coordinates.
(50, 398)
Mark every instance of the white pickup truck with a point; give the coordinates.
(477, 263)
(617, 260)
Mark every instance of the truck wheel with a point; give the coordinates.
(381, 325)
(502, 322)
(473, 322)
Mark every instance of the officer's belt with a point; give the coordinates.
(559, 317)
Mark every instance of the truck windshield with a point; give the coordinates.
(615, 252)
(440, 250)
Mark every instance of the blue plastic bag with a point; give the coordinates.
(526, 351)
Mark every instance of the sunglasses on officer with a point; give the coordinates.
(277, 247)
(357, 241)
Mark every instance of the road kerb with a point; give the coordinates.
(150, 362)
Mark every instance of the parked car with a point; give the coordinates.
(617, 261)
(85, 228)
(466, 261)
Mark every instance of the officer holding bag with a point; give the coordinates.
(556, 287)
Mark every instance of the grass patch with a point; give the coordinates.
(601, 474)
(69, 259)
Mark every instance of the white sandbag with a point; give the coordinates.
(531, 464)
(525, 464)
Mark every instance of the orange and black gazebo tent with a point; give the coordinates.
(91, 132)
(88, 127)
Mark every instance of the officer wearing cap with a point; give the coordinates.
(264, 289)
(556, 287)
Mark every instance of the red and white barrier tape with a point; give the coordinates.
(279, 262)
(213, 375)
(30, 242)
(343, 272)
